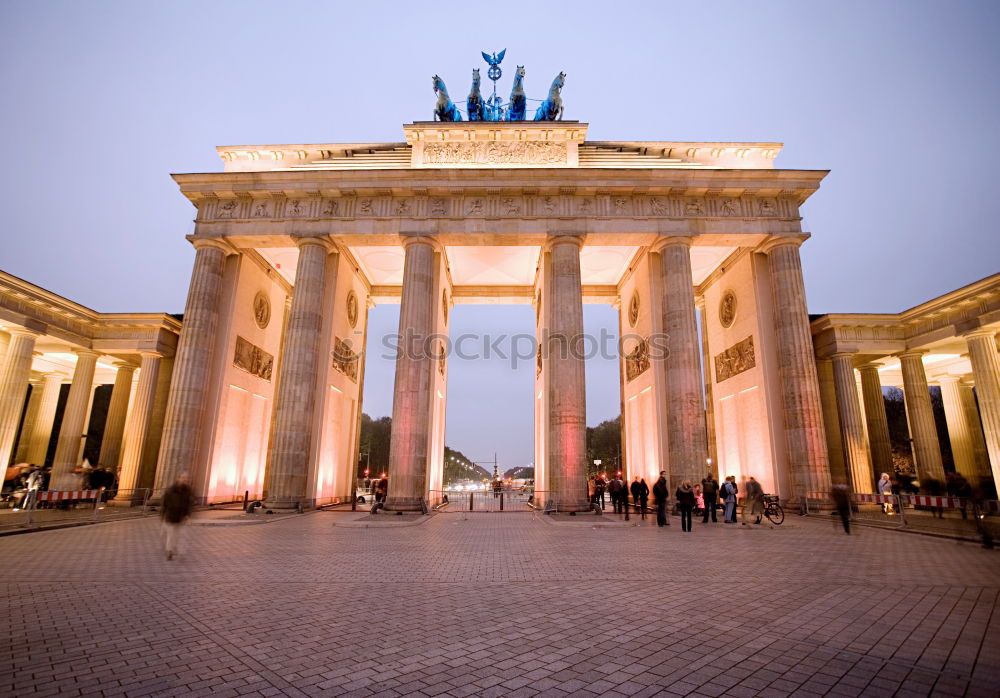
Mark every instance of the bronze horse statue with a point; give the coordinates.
(552, 108)
(444, 109)
(518, 99)
(474, 102)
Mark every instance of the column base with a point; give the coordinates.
(289, 505)
(577, 506)
(408, 505)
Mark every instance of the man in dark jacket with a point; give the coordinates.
(660, 497)
(178, 501)
(710, 492)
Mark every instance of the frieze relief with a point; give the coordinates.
(637, 361)
(252, 359)
(344, 359)
(735, 360)
(495, 205)
(521, 153)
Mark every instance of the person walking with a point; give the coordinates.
(643, 496)
(178, 501)
(842, 501)
(660, 496)
(885, 489)
(729, 492)
(599, 485)
(710, 493)
(753, 503)
(617, 490)
(685, 504)
(381, 489)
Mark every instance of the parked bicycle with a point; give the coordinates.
(772, 509)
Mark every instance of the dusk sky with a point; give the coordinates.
(103, 100)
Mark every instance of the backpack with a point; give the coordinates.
(709, 488)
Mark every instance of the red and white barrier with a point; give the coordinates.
(67, 496)
(923, 500)
(875, 498)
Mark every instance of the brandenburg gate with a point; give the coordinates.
(294, 243)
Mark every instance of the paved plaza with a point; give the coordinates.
(497, 605)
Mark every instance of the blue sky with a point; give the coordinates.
(103, 100)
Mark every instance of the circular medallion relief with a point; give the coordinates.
(444, 305)
(261, 309)
(633, 309)
(727, 309)
(352, 308)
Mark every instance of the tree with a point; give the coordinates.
(604, 443)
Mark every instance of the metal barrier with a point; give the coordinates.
(950, 516)
(58, 507)
(487, 501)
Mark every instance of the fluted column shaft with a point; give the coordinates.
(114, 424)
(41, 428)
(981, 457)
(71, 431)
(709, 400)
(687, 442)
(852, 430)
(878, 424)
(802, 412)
(411, 417)
(30, 413)
(295, 406)
(986, 370)
(567, 442)
(959, 433)
(920, 417)
(14, 375)
(185, 414)
(137, 426)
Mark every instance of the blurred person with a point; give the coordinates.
(729, 492)
(381, 489)
(599, 487)
(841, 495)
(753, 503)
(660, 497)
(699, 499)
(685, 503)
(935, 488)
(176, 507)
(710, 494)
(616, 489)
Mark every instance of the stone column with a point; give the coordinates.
(71, 432)
(706, 368)
(411, 419)
(114, 424)
(567, 390)
(30, 413)
(831, 420)
(972, 418)
(14, 375)
(809, 470)
(687, 442)
(920, 417)
(852, 430)
(986, 370)
(41, 429)
(137, 426)
(878, 425)
(183, 421)
(289, 454)
(959, 433)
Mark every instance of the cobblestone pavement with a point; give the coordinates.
(497, 605)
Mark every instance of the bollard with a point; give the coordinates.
(97, 502)
(354, 500)
(471, 495)
(501, 500)
(246, 498)
(625, 507)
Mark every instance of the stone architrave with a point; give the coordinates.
(137, 426)
(802, 410)
(290, 454)
(920, 417)
(878, 424)
(567, 390)
(411, 419)
(185, 416)
(41, 429)
(687, 442)
(986, 370)
(852, 430)
(114, 424)
(71, 434)
(14, 375)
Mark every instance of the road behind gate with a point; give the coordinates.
(497, 604)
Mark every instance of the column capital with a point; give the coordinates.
(149, 354)
(842, 354)
(980, 332)
(909, 353)
(553, 239)
(82, 353)
(668, 240)
(121, 363)
(321, 240)
(217, 243)
(775, 241)
(407, 239)
(23, 332)
(869, 367)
